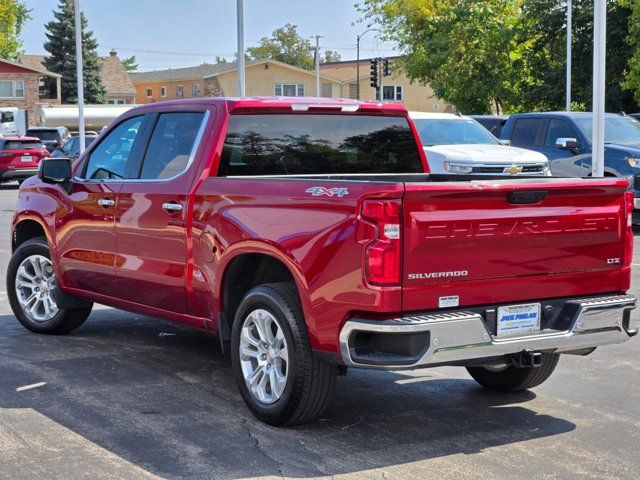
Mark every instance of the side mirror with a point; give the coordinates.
(506, 143)
(55, 170)
(568, 143)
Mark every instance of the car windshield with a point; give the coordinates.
(452, 131)
(22, 145)
(43, 134)
(617, 129)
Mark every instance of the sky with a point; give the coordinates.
(181, 33)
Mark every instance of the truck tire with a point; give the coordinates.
(279, 379)
(30, 282)
(512, 378)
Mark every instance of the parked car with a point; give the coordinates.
(493, 123)
(51, 137)
(460, 145)
(635, 115)
(71, 148)
(565, 138)
(306, 234)
(19, 157)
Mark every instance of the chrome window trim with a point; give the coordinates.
(192, 155)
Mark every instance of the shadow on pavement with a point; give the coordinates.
(164, 399)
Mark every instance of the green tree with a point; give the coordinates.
(220, 60)
(330, 56)
(632, 74)
(468, 52)
(13, 15)
(130, 64)
(62, 56)
(511, 54)
(544, 26)
(284, 45)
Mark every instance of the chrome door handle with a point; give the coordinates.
(172, 207)
(106, 202)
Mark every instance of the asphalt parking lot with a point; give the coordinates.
(132, 397)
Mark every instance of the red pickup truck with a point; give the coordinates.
(308, 235)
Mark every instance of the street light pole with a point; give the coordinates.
(569, 41)
(358, 61)
(80, 80)
(317, 66)
(599, 57)
(240, 28)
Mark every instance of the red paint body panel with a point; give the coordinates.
(138, 257)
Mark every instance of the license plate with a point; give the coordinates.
(516, 320)
(27, 158)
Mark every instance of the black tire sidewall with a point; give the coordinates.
(36, 246)
(268, 299)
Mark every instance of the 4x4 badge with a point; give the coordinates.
(329, 192)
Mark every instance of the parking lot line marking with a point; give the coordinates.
(29, 387)
(636, 264)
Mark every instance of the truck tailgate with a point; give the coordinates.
(482, 242)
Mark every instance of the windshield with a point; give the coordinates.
(43, 134)
(453, 131)
(291, 144)
(617, 129)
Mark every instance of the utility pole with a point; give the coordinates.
(569, 42)
(240, 28)
(80, 80)
(599, 57)
(317, 37)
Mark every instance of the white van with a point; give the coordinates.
(13, 122)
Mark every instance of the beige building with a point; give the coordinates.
(396, 87)
(262, 78)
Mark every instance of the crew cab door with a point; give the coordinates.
(85, 231)
(152, 213)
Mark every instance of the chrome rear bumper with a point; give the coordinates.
(455, 337)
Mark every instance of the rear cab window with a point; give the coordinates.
(21, 145)
(526, 131)
(299, 144)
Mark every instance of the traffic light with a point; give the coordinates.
(374, 73)
(385, 67)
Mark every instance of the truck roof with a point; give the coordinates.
(295, 104)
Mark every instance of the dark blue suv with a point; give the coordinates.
(565, 138)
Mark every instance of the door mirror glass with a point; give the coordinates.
(54, 170)
(567, 143)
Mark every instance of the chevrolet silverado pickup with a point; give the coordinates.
(309, 236)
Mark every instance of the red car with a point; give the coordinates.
(19, 157)
(307, 234)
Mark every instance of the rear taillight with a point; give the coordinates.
(628, 233)
(383, 253)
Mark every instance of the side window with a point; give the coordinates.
(171, 144)
(526, 131)
(69, 146)
(559, 129)
(110, 158)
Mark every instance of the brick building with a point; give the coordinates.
(116, 81)
(22, 86)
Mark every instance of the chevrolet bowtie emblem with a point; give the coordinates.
(513, 169)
